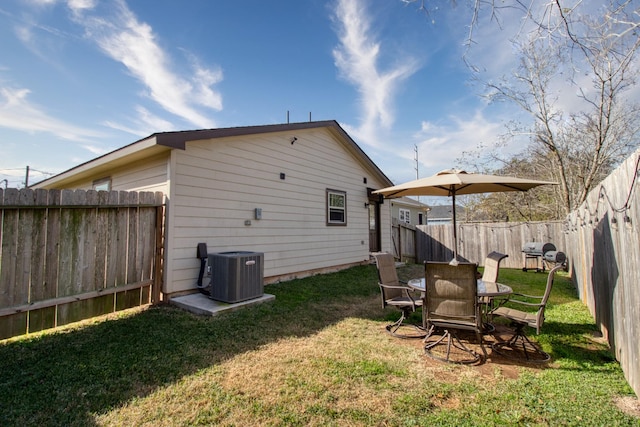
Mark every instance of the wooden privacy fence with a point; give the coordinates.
(604, 245)
(70, 255)
(403, 238)
(476, 240)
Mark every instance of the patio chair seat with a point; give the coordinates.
(469, 325)
(402, 301)
(515, 315)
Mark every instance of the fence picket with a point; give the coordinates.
(70, 279)
(48, 315)
(15, 324)
(103, 304)
(38, 319)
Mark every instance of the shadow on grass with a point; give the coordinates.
(567, 343)
(65, 378)
(577, 343)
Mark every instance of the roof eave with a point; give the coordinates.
(90, 166)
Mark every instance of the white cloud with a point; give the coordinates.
(357, 59)
(145, 124)
(79, 5)
(43, 2)
(24, 34)
(16, 112)
(30, 33)
(95, 150)
(125, 39)
(203, 78)
(441, 145)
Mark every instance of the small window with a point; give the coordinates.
(404, 215)
(102, 184)
(336, 207)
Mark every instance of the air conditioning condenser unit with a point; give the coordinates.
(236, 276)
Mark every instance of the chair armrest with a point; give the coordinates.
(528, 296)
(525, 303)
(409, 288)
(407, 291)
(535, 306)
(537, 303)
(395, 287)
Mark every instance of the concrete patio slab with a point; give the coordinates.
(203, 305)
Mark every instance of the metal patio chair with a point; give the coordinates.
(490, 274)
(492, 266)
(451, 307)
(397, 294)
(518, 345)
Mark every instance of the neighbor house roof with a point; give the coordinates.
(409, 202)
(163, 141)
(444, 212)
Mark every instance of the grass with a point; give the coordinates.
(317, 355)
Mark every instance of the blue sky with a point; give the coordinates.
(79, 78)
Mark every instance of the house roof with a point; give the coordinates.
(163, 141)
(444, 212)
(409, 202)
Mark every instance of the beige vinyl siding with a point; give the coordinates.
(413, 212)
(218, 184)
(149, 174)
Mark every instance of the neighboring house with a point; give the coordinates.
(409, 211)
(300, 193)
(442, 214)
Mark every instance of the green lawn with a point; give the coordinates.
(317, 355)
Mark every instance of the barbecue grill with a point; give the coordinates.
(555, 257)
(534, 253)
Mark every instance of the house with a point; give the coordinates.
(443, 214)
(409, 211)
(300, 193)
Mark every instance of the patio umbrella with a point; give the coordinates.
(452, 182)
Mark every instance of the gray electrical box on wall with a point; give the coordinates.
(258, 213)
(236, 276)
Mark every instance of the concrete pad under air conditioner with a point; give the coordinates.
(203, 305)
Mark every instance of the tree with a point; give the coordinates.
(537, 204)
(581, 49)
(577, 147)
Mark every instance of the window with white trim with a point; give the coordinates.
(336, 207)
(404, 215)
(102, 184)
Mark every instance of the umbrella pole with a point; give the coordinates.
(455, 231)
